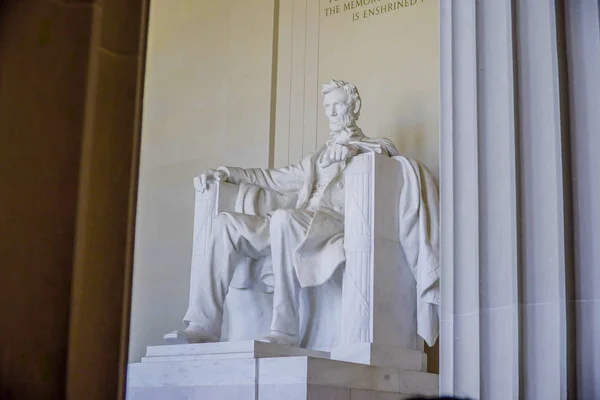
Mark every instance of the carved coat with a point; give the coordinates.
(322, 249)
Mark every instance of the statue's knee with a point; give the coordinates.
(282, 217)
(220, 223)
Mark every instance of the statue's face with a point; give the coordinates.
(338, 110)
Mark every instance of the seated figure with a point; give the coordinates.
(303, 240)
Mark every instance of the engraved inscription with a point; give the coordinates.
(365, 9)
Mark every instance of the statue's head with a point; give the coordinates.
(342, 104)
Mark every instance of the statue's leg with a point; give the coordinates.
(288, 229)
(233, 237)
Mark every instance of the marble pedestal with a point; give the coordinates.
(264, 371)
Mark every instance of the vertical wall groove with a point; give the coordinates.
(447, 199)
(297, 77)
(285, 49)
(582, 28)
(542, 201)
(518, 347)
(568, 271)
(274, 63)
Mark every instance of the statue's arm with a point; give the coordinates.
(284, 180)
(382, 146)
(388, 148)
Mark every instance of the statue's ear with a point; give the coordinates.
(357, 106)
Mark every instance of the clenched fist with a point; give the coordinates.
(338, 152)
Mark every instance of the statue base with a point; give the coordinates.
(266, 371)
(382, 356)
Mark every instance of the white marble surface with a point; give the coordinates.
(226, 350)
(388, 315)
(192, 373)
(302, 392)
(371, 395)
(220, 392)
(382, 355)
(264, 392)
(354, 205)
(273, 378)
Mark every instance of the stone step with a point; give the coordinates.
(226, 350)
(268, 378)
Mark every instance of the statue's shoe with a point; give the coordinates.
(189, 337)
(282, 338)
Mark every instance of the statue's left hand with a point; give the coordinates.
(211, 175)
(339, 152)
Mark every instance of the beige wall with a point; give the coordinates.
(391, 57)
(207, 102)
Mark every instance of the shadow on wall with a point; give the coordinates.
(413, 141)
(410, 139)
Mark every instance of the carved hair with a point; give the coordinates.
(352, 91)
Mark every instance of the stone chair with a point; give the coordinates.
(367, 312)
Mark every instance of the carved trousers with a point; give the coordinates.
(235, 236)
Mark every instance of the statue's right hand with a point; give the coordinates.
(211, 175)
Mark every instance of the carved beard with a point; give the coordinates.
(341, 124)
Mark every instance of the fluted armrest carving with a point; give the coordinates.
(217, 197)
(373, 254)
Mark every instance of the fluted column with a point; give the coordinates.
(507, 264)
(583, 54)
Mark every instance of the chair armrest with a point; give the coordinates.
(224, 194)
(220, 197)
(373, 185)
(217, 197)
(376, 214)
